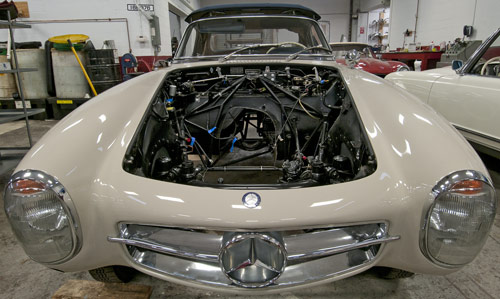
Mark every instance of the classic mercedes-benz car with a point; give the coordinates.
(254, 163)
(367, 59)
(468, 95)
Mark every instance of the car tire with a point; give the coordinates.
(391, 273)
(118, 274)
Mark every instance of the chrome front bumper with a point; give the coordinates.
(311, 255)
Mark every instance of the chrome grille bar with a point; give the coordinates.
(206, 246)
(339, 249)
(167, 249)
(314, 255)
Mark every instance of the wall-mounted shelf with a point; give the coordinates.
(378, 29)
(6, 24)
(20, 70)
(7, 115)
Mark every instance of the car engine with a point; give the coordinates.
(269, 126)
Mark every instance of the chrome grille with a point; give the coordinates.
(311, 255)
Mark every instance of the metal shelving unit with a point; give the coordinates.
(7, 115)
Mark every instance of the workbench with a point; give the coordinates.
(429, 59)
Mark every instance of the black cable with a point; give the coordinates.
(304, 147)
(199, 148)
(205, 129)
(292, 96)
(227, 99)
(323, 97)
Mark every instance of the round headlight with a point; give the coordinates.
(402, 68)
(458, 222)
(42, 217)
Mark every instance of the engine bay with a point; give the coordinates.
(268, 126)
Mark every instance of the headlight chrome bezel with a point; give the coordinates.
(445, 185)
(67, 204)
(403, 68)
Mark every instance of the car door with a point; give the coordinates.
(471, 101)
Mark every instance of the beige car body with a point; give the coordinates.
(414, 148)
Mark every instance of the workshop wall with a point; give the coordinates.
(438, 20)
(442, 20)
(367, 5)
(402, 18)
(335, 13)
(139, 30)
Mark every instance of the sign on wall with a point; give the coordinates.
(22, 9)
(145, 7)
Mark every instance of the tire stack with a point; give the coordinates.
(102, 69)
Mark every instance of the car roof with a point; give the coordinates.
(252, 9)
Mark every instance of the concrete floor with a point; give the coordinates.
(22, 278)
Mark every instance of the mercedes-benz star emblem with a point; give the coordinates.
(252, 260)
(251, 200)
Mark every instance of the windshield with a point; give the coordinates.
(339, 51)
(489, 61)
(222, 36)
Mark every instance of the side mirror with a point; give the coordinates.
(352, 58)
(456, 64)
(169, 61)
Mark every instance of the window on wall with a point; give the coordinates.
(175, 25)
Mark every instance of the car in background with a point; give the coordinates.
(467, 94)
(253, 164)
(367, 60)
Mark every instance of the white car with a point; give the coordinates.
(467, 95)
(254, 164)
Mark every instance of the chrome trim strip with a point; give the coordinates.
(494, 139)
(170, 250)
(210, 257)
(222, 229)
(343, 248)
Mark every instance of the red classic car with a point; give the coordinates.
(367, 62)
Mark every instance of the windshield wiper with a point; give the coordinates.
(296, 54)
(246, 48)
